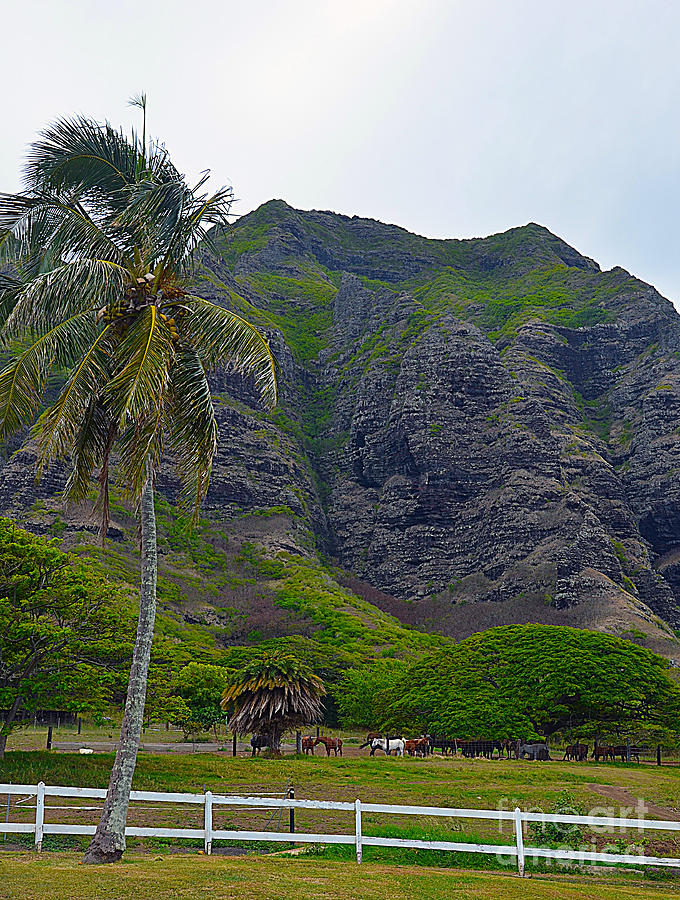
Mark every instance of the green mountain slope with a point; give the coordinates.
(471, 432)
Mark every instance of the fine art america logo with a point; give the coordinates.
(579, 839)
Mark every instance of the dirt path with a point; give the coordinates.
(622, 797)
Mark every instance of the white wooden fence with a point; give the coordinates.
(208, 833)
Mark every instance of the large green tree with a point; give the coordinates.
(365, 693)
(65, 632)
(529, 680)
(100, 289)
(195, 704)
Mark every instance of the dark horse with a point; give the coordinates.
(370, 737)
(259, 742)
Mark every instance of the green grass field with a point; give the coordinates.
(435, 780)
(332, 872)
(192, 877)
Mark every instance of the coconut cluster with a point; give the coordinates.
(137, 296)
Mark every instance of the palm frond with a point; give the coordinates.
(10, 290)
(79, 153)
(64, 291)
(40, 220)
(152, 215)
(58, 428)
(191, 425)
(89, 450)
(222, 336)
(203, 213)
(144, 356)
(22, 382)
(140, 448)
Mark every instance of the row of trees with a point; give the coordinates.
(66, 640)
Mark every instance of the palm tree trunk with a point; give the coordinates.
(108, 842)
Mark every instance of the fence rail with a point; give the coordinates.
(39, 828)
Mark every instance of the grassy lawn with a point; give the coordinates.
(434, 781)
(23, 876)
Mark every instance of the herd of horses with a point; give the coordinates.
(612, 751)
(506, 748)
(427, 744)
(333, 745)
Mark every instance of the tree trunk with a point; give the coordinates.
(6, 728)
(275, 736)
(108, 842)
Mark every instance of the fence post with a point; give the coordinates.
(357, 827)
(207, 823)
(298, 742)
(658, 754)
(39, 815)
(49, 737)
(233, 745)
(9, 797)
(520, 841)
(627, 750)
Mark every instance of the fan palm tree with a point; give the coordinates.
(99, 288)
(271, 694)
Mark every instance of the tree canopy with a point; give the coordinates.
(528, 681)
(195, 702)
(65, 632)
(365, 693)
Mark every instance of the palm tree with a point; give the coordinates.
(98, 288)
(271, 694)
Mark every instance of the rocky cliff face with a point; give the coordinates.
(488, 424)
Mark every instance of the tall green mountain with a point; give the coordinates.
(471, 432)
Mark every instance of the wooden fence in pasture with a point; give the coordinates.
(209, 834)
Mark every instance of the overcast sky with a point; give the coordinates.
(452, 118)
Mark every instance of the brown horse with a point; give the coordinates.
(604, 751)
(421, 746)
(577, 752)
(622, 750)
(308, 745)
(334, 744)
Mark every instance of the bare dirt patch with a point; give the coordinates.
(623, 797)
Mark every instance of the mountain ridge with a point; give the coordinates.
(475, 429)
